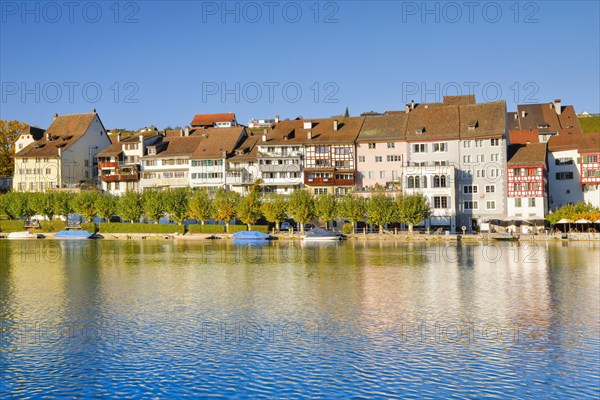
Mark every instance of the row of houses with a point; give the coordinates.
(474, 161)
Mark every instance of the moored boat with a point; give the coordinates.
(320, 234)
(70, 234)
(22, 235)
(250, 235)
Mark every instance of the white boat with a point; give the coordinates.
(22, 235)
(320, 235)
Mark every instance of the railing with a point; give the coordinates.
(279, 167)
(120, 177)
(111, 164)
(328, 181)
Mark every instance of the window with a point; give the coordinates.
(481, 158)
(490, 205)
(467, 144)
(391, 145)
(439, 181)
(322, 149)
(563, 161)
(495, 142)
(466, 159)
(532, 202)
(48, 171)
(517, 202)
(467, 189)
(490, 188)
(371, 174)
(495, 173)
(372, 145)
(516, 171)
(378, 159)
(471, 205)
(440, 202)
(420, 148)
(495, 157)
(361, 158)
(394, 158)
(590, 159)
(439, 147)
(481, 173)
(561, 176)
(382, 174)
(478, 142)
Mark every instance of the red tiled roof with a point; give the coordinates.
(211, 119)
(582, 142)
(523, 136)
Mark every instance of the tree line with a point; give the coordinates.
(180, 204)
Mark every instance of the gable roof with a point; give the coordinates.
(248, 147)
(211, 119)
(526, 154)
(322, 131)
(116, 148)
(523, 136)
(384, 127)
(216, 141)
(64, 131)
(175, 147)
(36, 133)
(489, 119)
(536, 116)
(582, 142)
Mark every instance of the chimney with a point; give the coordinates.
(94, 111)
(516, 116)
(308, 124)
(309, 134)
(335, 124)
(181, 133)
(119, 136)
(264, 135)
(523, 114)
(55, 116)
(47, 136)
(186, 130)
(277, 119)
(557, 106)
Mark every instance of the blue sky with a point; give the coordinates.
(153, 62)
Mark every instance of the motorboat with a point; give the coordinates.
(72, 234)
(250, 235)
(23, 235)
(320, 234)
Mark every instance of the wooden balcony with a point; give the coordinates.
(120, 177)
(104, 165)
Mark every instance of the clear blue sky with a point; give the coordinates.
(174, 58)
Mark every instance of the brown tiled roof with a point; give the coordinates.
(523, 136)
(544, 114)
(526, 154)
(582, 142)
(117, 147)
(489, 119)
(215, 141)
(64, 131)
(176, 146)
(433, 123)
(459, 100)
(211, 119)
(293, 132)
(249, 149)
(384, 127)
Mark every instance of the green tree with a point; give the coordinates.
(177, 204)
(380, 209)
(347, 113)
(249, 207)
(9, 133)
(63, 204)
(413, 208)
(326, 208)
(4, 200)
(353, 208)
(225, 204)
(201, 207)
(42, 203)
(106, 206)
(301, 206)
(129, 206)
(84, 204)
(18, 205)
(274, 208)
(574, 212)
(153, 204)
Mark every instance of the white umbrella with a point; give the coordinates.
(564, 221)
(583, 221)
(597, 222)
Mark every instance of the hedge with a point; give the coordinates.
(212, 228)
(89, 226)
(8, 226)
(51, 226)
(121, 227)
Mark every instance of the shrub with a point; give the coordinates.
(90, 227)
(347, 229)
(118, 227)
(239, 228)
(52, 226)
(12, 226)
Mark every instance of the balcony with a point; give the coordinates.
(289, 154)
(328, 182)
(279, 167)
(120, 177)
(106, 165)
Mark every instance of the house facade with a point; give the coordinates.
(64, 156)
(527, 185)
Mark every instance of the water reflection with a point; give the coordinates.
(290, 319)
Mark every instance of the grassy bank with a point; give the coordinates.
(198, 228)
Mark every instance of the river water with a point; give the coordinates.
(164, 319)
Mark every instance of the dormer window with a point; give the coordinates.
(420, 131)
(473, 125)
(151, 151)
(543, 125)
